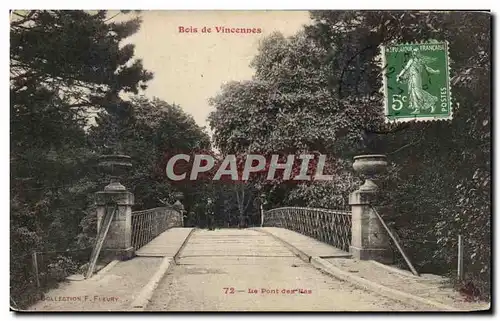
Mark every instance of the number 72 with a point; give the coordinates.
(397, 102)
(231, 290)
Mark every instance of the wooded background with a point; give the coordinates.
(317, 91)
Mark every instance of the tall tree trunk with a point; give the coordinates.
(241, 207)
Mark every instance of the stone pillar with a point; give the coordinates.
(369, 240)
(118, 242)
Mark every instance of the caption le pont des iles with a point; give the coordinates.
(218, 29)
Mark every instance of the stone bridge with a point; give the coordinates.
(299, 259)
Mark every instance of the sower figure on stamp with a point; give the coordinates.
(412, 75)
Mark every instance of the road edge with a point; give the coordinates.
(328, 268)
(97, 276)
(394, 294)
(142, 300)
(183, 245)
(140, 303)
(393, 269)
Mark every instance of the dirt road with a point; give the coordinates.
(246, 270)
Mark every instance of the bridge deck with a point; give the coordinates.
(165, 244)
(305, 243)
(250, 270)
(231, 270)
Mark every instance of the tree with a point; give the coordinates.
(319, 90)
(74, 54)
(288, 107)
(64, 65)
(444, 189)
(154, 131)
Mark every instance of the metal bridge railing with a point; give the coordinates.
(148, 224)
(326, 225)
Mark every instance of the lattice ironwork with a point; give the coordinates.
(326, 225)
(148, 224)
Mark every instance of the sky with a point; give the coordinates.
(189, 68)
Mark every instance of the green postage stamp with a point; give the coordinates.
(417, 82)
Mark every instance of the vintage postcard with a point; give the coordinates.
(222, 161)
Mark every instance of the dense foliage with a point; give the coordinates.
(319, 91)
(68, 71)
(314, 92)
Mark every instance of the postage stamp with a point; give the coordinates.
(416, 82)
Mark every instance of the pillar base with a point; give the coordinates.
(385, 256)
(108, 255)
